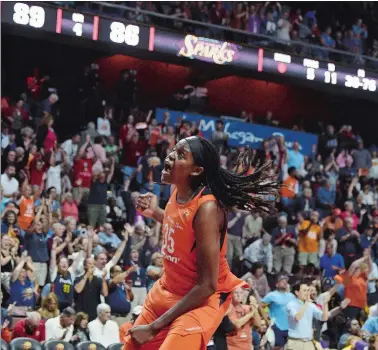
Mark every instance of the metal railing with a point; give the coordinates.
(242, 37)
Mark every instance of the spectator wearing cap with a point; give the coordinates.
(123, 330)
(330, 263)
(103, 330)
(277, 301)
(30, 327)
(120, 294)
(284, 242)
(301, 314)
(61, 327)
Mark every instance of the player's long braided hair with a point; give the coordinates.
(245, 192)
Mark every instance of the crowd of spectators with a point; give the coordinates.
(281, 23)
(77, 257)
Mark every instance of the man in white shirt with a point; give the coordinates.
(8, 183)
(261, 251)
(102, 330)
(70, 147)
(61, 327)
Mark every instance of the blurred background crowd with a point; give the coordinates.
(77, 258)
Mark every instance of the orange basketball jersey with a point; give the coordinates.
(179, 248)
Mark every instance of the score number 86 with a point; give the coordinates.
(121, 33)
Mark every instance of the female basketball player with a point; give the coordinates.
(184, 307)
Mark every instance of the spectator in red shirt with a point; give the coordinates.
(126, 131)
(31, 327)
(82, 171)
(37, 173)
(134, 149)
(17, 116)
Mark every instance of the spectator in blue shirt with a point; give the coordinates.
(301, 313)
(295, 158)
(371, 325)
(108, 237)
(360, 33)
(327, 41)
(326, 197)
(331, 263)
(119, 295)
(277, 301)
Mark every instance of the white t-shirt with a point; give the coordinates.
(54, 179)
(103, 127)
(55, 331)
(283, 29)
(70, 148)
(9, 185)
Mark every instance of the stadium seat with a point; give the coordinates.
(5, 346)
(58, 345)
(116, 346)
(25, 344)
(89, 345)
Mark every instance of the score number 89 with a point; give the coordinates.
(24, 14)
(121, 33)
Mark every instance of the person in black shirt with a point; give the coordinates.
(88, 289)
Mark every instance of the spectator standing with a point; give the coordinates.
(155, 270)
(348, 242)
(88, 290)
(277, 301)
(103, 123)
(61, 327)
(70, 147)
(22, 287)
(61, 276)
(97, 199)
(219, 138)
(284, 242)
(31, 327)
(301, 313)
(310, 234)
(103, 330)
(235, 231)
(257, 278)
(46, 137)
(355, 285)
(361, 158)
(331, 263)
(296, 159)
(138, 277)
(283, 28)
(26, 204)
(36, 246)
(253, 226)
(242, 317)
(119, 295)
